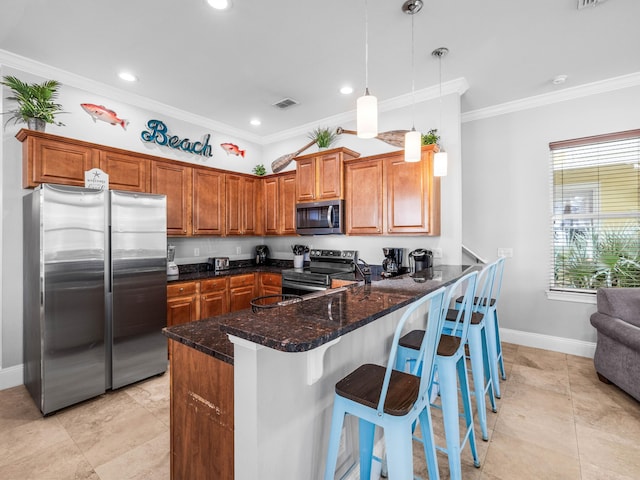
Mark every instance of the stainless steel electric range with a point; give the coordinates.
(324, 265)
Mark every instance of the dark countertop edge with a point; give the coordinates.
(198, 346)
(299, 347)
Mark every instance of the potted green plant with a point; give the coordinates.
(36, 102)
(431, 137)
(323, 136)
(259, 170)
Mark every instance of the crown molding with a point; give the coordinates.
(28, 65)
(457, 86)
(594, 88)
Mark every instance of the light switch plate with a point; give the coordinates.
(437, 252)
(196, 252)
(505, 252)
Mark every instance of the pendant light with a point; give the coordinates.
(440, 159)
(412, 139)
(367, 105)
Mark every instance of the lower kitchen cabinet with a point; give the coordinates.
(270, 284)
(182, 303)
(241, 291)
(214, 297)
(202, 423)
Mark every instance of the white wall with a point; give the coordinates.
(506, 201)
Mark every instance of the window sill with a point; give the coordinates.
(577, 297)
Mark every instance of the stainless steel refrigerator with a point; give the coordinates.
(94, 292)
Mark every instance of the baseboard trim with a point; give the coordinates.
(548, 342)
(11, 376)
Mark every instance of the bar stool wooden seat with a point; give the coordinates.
(393, 400)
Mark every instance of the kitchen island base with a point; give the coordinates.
(201, 415)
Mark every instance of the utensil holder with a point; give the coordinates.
(298, 261)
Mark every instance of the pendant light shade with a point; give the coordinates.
(412, 146)
(367, 105)
(367, 116)
(440, 164)
(412, 139)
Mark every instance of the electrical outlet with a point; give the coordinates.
(505, 252)
(238, 250)
(196, 252)
(437, 252)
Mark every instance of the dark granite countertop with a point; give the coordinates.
(200, 271)
(316, 320)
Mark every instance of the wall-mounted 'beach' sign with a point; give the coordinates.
(157, 132)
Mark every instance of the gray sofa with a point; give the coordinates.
(617, 357)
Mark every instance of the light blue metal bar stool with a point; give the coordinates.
(393, 400)
(450, 363)
(490, 310)
(477, 340)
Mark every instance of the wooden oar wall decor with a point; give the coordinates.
(392, 137)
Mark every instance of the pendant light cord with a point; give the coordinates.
(440, 94)
(366, 47)
(413, 81)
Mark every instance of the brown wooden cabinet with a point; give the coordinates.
(241, 291)
(47, 159)
(208, 202)
(202, 414)
(175, 181)
(320, 176)
(401, 198)
(270, 284)
(126, 171)
(243, 209)
(182, 303)
(214, 297)
(279, 203)
(364, 197)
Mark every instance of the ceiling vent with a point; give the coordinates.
(286, 103)
(588, 3)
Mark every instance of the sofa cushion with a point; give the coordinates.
(622, 303)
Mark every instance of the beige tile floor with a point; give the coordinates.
(555, 420)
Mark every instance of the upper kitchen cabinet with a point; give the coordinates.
(319, 176)
(49, 158)
(401, 198)
(208, 202)
(53, 159)
(176, 182)
(279, 204)
(127, 171)
(242, 205)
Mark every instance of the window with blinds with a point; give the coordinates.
(595, 185)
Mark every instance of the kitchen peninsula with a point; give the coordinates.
(252, 392)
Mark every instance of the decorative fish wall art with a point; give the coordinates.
(233, 149)
(100, 112)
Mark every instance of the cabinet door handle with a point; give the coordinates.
(181, 289)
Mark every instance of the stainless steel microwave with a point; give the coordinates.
(319, 218)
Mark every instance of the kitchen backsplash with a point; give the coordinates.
(198, 249)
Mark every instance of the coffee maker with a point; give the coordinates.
(420, 259)
(262, 254)
(392, 263)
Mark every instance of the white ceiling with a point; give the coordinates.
(232, 66)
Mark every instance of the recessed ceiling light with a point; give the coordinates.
(559, 79)
(129, 77)
(346, 90)
(255, 122)
(220, 4)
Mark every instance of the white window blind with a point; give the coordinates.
(595, 223)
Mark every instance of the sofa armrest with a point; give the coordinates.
(617, 329)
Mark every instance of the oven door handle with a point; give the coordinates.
(330, 216)
(301, 286)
